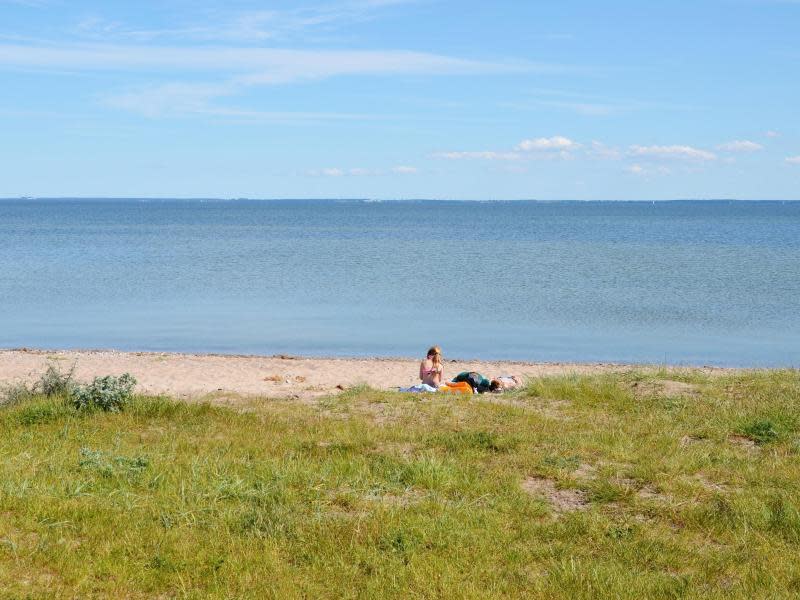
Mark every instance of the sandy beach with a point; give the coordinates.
(196, 376)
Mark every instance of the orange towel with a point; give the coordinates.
(462, 387)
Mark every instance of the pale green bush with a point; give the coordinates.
(109, 393)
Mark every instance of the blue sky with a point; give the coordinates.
(401, 99)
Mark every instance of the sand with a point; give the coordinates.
(197, 376)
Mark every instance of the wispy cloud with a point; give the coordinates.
(772, 134)
(740, 146)
(235, 68)
(672, 153)
(793, 160)
(248, 26)
(327, 172)
(263, 64)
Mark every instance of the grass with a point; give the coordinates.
(575, 487)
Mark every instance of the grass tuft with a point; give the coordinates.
(762, 431)
(486, 441)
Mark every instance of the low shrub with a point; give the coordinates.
(15, 394)
(54, 382)
(109, 393)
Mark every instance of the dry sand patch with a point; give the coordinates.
(743, 442)
(665, 387)
(192, 376)
(562, 501)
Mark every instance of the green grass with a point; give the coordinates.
(687, 494)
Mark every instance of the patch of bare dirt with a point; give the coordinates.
(626, 482)
(664, 387)
(585, 471)
(551, 409)
(648, 492)
(689, 440)
(562, 501)
(504, 400)
(743, 442)
(404, 449)
(713, 486)
(403, 499)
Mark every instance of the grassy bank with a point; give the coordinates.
(624, 486)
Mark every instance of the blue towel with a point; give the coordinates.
(420, 388)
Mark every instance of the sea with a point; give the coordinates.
(678, 282)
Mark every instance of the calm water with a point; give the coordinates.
(682, 282)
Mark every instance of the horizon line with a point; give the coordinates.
(411, 199)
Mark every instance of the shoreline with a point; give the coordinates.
(346, 358)
(228, 377)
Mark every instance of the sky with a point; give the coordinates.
(467, 99)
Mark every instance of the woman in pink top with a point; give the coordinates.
(430, 369)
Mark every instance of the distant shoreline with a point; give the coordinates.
(379, 200)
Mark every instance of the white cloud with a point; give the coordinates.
(772, 134)
(740, 146)
(546, 144)
(359, 172)
(404, 170)
(532, 149)
(793, 160)
(673, 152)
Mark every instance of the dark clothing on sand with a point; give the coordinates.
(479, 383)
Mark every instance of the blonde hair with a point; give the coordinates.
(435, 354)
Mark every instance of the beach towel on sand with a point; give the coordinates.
(420, 388)
(460, 387)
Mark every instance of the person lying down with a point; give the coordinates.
(470, 382)
(481, 384)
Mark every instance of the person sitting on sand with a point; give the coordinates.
(430, 369)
